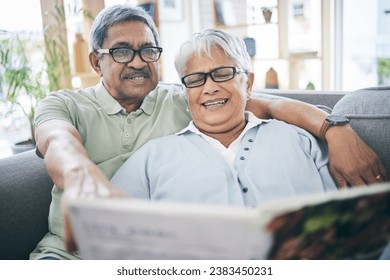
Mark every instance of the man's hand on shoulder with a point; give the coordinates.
(351, 161)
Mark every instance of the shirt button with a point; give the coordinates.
(250, 140)
(242, 158)
(246, 149)
(244, 190)
(127, 135)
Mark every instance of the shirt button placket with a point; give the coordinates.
(127, 133)
(250, 140)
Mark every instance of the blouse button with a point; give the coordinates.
(246, 149)
(245, 190)
(242, 158)
(250, 140)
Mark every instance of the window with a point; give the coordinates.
(365, 44)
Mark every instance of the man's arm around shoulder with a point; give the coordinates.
(351, 161)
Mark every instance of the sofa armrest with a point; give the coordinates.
(368, 110)
(25, 196)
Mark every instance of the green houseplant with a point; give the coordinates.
(21, 80)
(23, 83)
(383, 70)
(267, 13)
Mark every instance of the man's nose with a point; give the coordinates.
(136, 62)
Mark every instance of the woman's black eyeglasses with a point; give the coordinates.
(220, 74)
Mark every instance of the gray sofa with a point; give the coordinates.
(25, 188)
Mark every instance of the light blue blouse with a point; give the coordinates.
(275, 160)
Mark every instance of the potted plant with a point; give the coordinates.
(21, 81)
(383, 70)
(267, 13)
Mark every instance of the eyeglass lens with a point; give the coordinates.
(123, 55)
(217, 75)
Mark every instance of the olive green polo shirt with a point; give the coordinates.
(109, 134)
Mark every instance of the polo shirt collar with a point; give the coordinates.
(111, 106)
(106, 101)
(149, 102)
(249, 116)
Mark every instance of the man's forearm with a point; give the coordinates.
(62, 149)
(298, 113)
(294, 112)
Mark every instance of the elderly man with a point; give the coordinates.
(85, 136)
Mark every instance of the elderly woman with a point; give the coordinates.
(226, 155)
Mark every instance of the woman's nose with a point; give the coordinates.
(210, 87)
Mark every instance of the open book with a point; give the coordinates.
(347, 224)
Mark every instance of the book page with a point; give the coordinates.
(349, 224)
(131, 229)
(346, 224)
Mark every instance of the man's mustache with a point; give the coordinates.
(137, 73)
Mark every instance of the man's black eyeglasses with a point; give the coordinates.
(126, 55)
(220, 74)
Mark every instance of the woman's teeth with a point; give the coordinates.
(215, 103)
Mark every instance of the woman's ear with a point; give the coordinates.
(94, 60)
(249, 84)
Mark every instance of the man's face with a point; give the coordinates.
(128, 82)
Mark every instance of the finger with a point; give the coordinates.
(356, 181)
(369, 176)
(339, 180)
(353, 179)
(70, 244)
(377, 174)
(382, 171)
(378, 171)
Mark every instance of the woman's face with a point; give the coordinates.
(217, 107)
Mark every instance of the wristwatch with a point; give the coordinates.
(332, 120)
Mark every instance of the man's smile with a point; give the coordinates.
(134, 78)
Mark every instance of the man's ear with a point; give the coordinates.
(249, 84)
(94, 60)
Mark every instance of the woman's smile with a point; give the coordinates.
(215, 104)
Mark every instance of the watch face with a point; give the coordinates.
(337, 120)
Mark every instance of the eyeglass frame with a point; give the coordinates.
(235, 70)
(139, 52)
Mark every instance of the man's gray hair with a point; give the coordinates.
(114, 15)
(202, 44)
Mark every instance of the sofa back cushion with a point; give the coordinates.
(369, 113)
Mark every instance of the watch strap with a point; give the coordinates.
(324, 128)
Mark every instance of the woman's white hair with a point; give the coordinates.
(202, 44)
